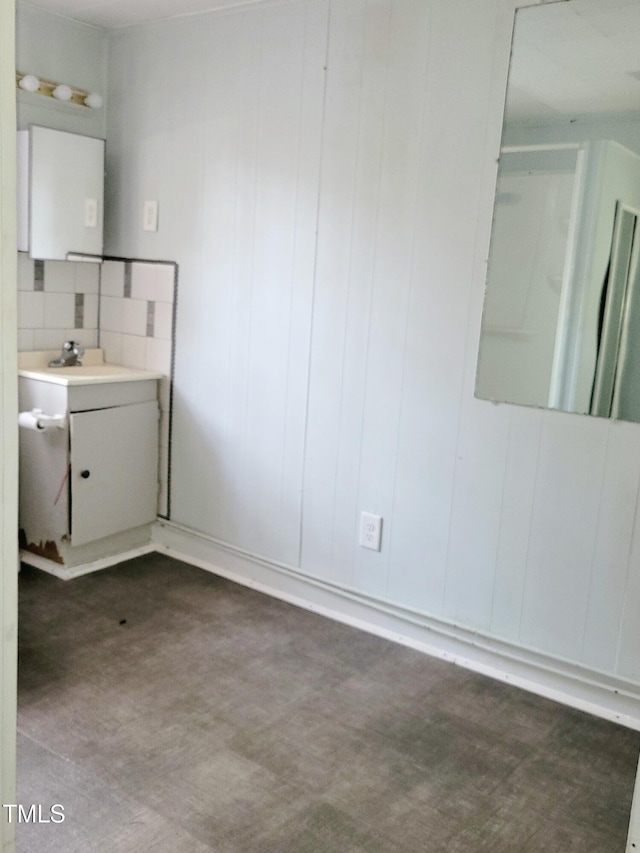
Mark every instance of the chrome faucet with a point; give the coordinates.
(71, 354)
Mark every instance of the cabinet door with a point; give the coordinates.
(66, 194)
(114, 470)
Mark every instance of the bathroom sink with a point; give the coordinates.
(34, 365)
(89, 370)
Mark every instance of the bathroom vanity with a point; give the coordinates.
(89, 478)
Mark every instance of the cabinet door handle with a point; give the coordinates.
(85, 474)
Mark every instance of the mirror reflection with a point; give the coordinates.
(561, 322)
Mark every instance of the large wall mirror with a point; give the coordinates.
(561, 322)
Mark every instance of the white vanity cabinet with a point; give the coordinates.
(60, 193)
(114, 470)
(88, 489)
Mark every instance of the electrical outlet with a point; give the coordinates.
(150, 216)
(370, 530)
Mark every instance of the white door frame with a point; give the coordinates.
(633, 837)
(8, 422)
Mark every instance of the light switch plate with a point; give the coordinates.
(150, 216)
(90, 213)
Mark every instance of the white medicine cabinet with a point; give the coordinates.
(60, 193)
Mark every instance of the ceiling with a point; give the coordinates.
(569, 57)
(576, 58)
(113, 14)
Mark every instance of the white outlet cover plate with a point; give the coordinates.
(370, 530)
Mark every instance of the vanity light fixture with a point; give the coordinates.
(29, 83)
(60, 91)
(94, 100)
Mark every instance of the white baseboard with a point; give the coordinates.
(67, 573)
(563, 681)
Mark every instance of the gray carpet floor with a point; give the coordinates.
(169, 710)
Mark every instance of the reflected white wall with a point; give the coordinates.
(524, 283)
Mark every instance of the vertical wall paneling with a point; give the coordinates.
(627, 664)
(458, 141)
(336, 383)
(563, 529)
(281, 207)
(496, 451)
(613, 564)
(394, 218)
(243, 118)
(331, 228)
(521, 464)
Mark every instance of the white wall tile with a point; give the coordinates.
(50, 338)
(80, 335)
(152, 281)
(134, 317)
(87, 337)
(158, 356)
(87, 277)
(91, 311)
(111, 343)
(25, 340)
(111, 314)
(163, 320)
(30, 310)
(59, 310)
(54, 309)
(59, 277)
(25, 271)
(112, 278)
(134, 351)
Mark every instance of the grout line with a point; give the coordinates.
(314, 282)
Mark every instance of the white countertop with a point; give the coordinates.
(34, 365)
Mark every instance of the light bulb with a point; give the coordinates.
(94, 100)
(29, 83)
(62, 92)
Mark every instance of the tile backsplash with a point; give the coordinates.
(136, 330)
(57, 301)
(124, 307)
(136, 314)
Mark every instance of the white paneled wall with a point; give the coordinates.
(325, 173)
(229, 140)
